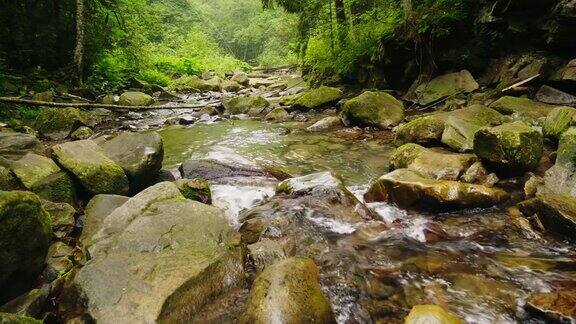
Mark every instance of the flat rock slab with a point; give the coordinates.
(410, 189)
(14, 146)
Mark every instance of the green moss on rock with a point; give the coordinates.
(431, 314)
(57, 187)
(8, 181)
(277, 115)
(567, 148)
(252, 105)
(423, 130)
(512, 147)
(7, 318)
(135, 98)
(58, 123)
(97, 173)
(378, 109)
(558, 121)
(195, 189)
(25, 233)
(432, 163)
(318, 98)
(444, 86)
(408, 188)
(522, 108)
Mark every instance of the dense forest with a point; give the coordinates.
(287, 161)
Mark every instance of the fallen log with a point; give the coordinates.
(85, 105)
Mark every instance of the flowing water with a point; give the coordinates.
(476, 263)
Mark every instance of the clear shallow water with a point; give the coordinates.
(286, 145)
(476, 263)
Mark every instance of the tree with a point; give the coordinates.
(79, 50)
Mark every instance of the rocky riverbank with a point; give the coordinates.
(113, 217)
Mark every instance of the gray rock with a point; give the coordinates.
(96, 211)
(135, 98)
(139, 154)
(327, 123)
(553, 96)
(213, 170)
(159, 258)
(13, 146)
(62, 217)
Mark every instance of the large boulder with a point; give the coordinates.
(230, 86)
(524, 109)
(288, 291)
(556, 213)
(456, 129)
(318, 98)
(159, 258)
(58, 123)
(512, 147)
(561, 178)
(408, 188)
(567, 148)
(431, 163)
(377, 109)
(443, 86)
(139, 154)
(554, 306)
(87, 161)
(252, 105)
(135, 98)
(45, 178)
(25, 233)
(13, 146)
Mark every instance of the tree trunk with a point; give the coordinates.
(79, 51)
(341, 20)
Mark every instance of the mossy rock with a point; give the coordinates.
(510, 148)
(246, 104)
(377, 109)
(456, 129)
(7, 318)
(408, 188)
(325, 124)
(444, 86)
(556, 213)
(82, 133)
(61, 216)
(42, 176)
(195, 189)
(530, 111)
(318, 98)
(230, 86)
(25, 233)
(190, 83)
(58, 123)
(8, 180)
(288, 291)
(97, 173)
(431, 163)
(558, 121)
(46, 96)
(135, 98)
(431, 314)
(567, 148)
(277, 115)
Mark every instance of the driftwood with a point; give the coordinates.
(27, 102)
(521, 83)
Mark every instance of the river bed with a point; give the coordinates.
(477, 263)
